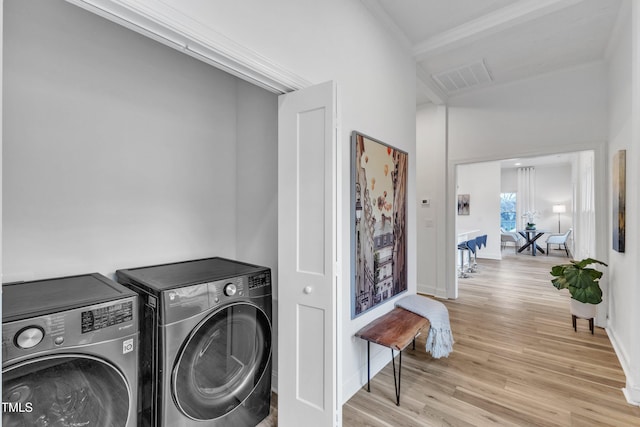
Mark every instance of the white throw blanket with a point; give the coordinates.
(440, 339)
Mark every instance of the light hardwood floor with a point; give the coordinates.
(516, 361)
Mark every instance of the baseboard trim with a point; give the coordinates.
(632, 394)
(631, 391)
(431, 291)
(380, 357)
(489, 255)
(617, 348)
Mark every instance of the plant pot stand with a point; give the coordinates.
(580, 310)
(574, 318)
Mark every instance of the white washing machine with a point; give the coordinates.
(69, 353)
(206, 342)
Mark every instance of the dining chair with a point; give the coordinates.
(507, 237)
(559, 239)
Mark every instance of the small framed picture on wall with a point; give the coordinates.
(463, 204)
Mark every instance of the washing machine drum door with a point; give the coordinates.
(222, 362)
(69, 390)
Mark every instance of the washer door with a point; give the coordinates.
(222, 361)
(64, 390)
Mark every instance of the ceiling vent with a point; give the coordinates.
(462, 78)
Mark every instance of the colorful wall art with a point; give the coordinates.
(619, 199)
(378, 222)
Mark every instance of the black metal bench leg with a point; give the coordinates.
(368, 367)
(396, 382)
(414, 343)
(399, 379)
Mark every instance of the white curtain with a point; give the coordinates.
(584, 217)
(526, 194)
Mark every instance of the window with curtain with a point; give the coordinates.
(508, 213)
(526, 194)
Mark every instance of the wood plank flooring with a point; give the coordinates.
(516, 361)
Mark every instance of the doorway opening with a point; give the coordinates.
(548, 194)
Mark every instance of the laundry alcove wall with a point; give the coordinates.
(119, 151)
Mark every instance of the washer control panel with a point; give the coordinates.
(227, 290)
(230, 289)
(78, 326)
(261, 281)
(29, 337)
(103, 317)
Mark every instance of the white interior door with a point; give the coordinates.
(306, 257)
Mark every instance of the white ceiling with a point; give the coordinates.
(514, 39)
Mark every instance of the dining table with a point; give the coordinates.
(531, 235)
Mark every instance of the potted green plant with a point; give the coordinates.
(583, 284)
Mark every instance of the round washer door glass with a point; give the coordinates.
(222, 361)
(70, 390)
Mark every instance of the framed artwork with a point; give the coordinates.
(619, 180)
(463, 204)
(378, 222)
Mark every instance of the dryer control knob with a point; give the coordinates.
(29, 337)
(230, 289)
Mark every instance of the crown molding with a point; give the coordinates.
(427, 86)
(497, 21)
(376, 9)
(174, 29)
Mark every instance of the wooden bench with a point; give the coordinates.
(396, 330)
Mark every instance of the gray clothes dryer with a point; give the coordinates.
(69, 353)
(206, 342)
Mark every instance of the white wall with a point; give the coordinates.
(120, 152)
(256, 175)
(624, 134)
(341, 41)
(110, 161)
(553, 186)
(509, 180)
(558, 112)
(431, 152)
(320, 41)
(481, 181)
(545, 114)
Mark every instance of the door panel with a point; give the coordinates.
(311, 363)
(306, 254)
(311, 183)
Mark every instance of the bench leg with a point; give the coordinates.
(368, 367)
(396, 383)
